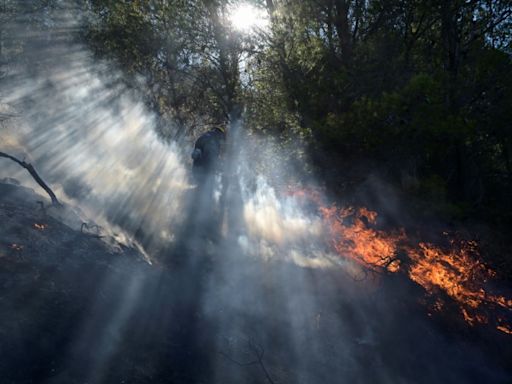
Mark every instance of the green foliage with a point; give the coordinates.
(418, 88)
(184, 51)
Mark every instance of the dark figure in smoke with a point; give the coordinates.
(216, 202)
(207, 155)
(205, 211)
(210, 146)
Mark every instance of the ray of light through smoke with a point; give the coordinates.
(276, 282)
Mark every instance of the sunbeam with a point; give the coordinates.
(169, 264)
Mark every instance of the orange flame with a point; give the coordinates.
(505, 329)
(457, 272)
(366, 246)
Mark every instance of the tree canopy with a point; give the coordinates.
(418, 90)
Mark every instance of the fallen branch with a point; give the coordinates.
(36, 177)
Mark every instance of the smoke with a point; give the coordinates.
(93, 141)
(259, 294)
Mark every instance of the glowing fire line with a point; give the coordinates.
(457, 272)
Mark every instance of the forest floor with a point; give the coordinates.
(76, 308)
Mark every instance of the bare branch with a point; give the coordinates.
(239, 362)
(259, 352)
(36, 177)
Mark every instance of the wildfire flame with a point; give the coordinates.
(505, 329)
(456, 272)
(460, 274)
(370, 248)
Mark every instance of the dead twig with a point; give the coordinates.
(30, 168)
(90, 227)
(258, 352)
(238, 362)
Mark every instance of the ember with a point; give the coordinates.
(16, 247)
(504, 329)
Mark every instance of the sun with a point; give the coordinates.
(246, 17)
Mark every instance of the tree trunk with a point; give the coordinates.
(270, 8)
(228, 63)
(341, 21)
(451, 43)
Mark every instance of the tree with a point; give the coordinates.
(186, 52)
(416, 89)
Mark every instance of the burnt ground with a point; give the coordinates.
(76, 309)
